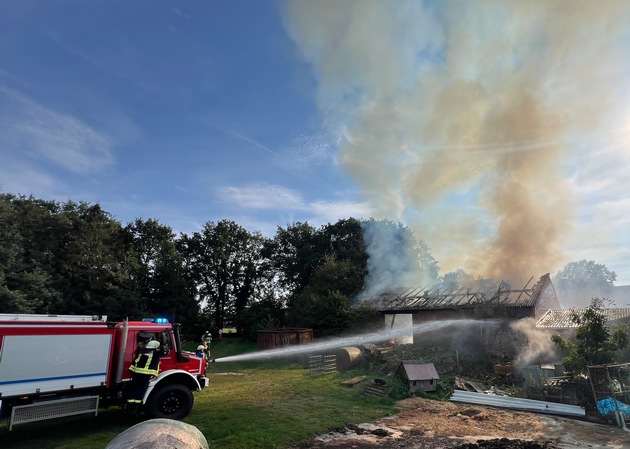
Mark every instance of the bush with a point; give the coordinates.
(443, 391)
(397, 388)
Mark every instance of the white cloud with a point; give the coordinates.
(332, 211)
(601, 185)
(306, 151)
(29, 128)
(179, 12)
(282, 199)
(262, 196)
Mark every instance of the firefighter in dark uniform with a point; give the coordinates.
(144, 367)
(143, 338)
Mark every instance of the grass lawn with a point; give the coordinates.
(254, 404)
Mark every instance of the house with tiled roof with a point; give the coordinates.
(563, 318)
(560, 321)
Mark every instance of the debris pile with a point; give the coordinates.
(504, 443)
(428, 424)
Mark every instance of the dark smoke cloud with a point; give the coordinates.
(458, 117)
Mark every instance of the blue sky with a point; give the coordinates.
(497, 132)
(182, 111)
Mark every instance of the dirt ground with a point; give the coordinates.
(428, 424)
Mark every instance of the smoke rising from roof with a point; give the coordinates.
(458, 118)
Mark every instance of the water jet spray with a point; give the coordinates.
(355, 340)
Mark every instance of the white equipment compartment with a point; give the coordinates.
(31, 364)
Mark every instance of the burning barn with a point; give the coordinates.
(418, 310)
(477, 299)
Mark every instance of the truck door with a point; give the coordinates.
(168, 357)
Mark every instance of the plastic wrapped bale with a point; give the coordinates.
(348, 358)
(611, 406)
(160, 434)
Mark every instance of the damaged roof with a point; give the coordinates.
(466, 294)
(419, 370)
(562, 318)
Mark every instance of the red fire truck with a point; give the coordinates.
(53, 366)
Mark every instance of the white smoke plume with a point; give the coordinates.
(535, 346)
(458, 117)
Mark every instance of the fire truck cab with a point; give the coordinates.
(53, 366)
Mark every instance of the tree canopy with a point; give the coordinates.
(76, 258)
(577, 283)
(583, 274)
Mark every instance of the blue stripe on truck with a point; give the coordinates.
(44, 379)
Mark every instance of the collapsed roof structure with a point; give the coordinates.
(496, 297)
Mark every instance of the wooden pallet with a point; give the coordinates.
(352, 382)
(376, 390)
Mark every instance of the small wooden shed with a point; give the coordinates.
(418, 375)
(280, 338)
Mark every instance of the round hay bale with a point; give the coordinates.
(160, 434)
(348, 358)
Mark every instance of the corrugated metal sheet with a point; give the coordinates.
(562, 318)
(418, 370)
(462, 295)
(529, 405)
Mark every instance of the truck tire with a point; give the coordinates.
(172, 401)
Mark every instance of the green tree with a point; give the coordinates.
(88, 270)
(336, 275)
(579, 282)
(345, 259)
(456, 277)
(163, 286)
(29, 243)
(427, 264)
(594, 344)
(268, 313)
(294, 253)
(326, 314)
(11, 299)
(584, 274)
(226, 264)
(325, 304)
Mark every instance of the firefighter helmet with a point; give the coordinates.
(153, 344)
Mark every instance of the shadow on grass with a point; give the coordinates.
(80, 432)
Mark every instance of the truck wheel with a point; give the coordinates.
(171, 402)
